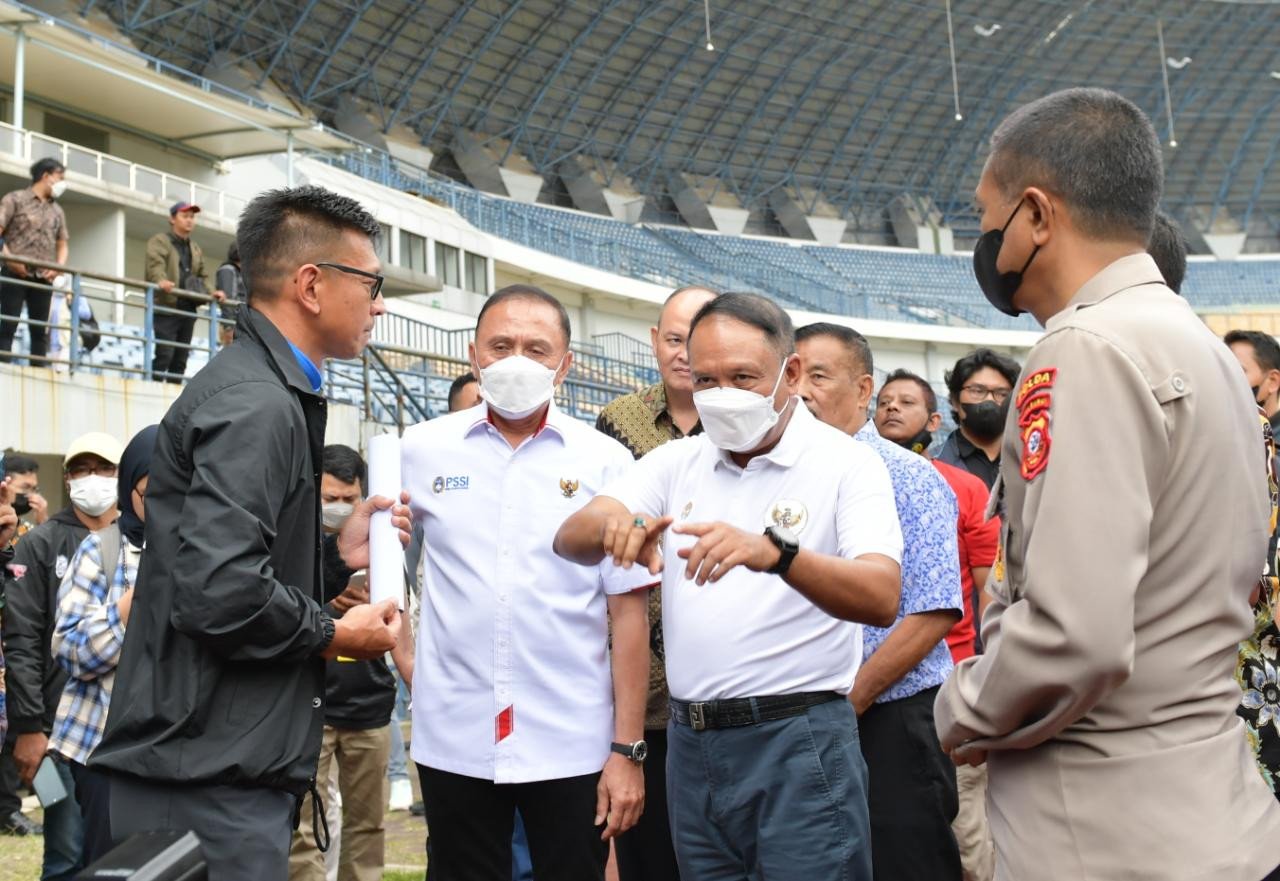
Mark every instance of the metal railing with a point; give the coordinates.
(165, 187)
(392, 384)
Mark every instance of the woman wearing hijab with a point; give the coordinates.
(93, 610)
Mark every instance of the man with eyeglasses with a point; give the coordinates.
(218, 705)
(980, 385)
(34, 678)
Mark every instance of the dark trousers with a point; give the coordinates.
(63, 832)
(913, 796)
(644, 851)
(244, 833)
(93, 792)
(785, 799)
(170, 362)
(10, 800)
(472, 820)
(37, 300)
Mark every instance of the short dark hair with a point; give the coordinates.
(47, 165)
(755, 310)
(1266, 351)
(282, 229)
(345, 464)
(233, 253)
(855, 342)
(904, 375)
(458, 384)
(1168, 247)
(1092, 147)
(17, 463)
(528, 292)
(971, 363)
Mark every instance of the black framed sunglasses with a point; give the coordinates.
(375, 288)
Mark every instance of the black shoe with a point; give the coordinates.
(18, 823)
(418, 809)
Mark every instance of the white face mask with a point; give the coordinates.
(58, 188)
(94, 495)
(335, 514)
(516, 386)
(736, 419)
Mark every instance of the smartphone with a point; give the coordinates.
(48, 784)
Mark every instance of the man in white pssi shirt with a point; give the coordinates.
(785, 536)
(516, 698)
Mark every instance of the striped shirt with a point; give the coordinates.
(87, 639)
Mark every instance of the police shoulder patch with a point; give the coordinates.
(1034, 401)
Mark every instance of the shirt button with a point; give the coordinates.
(1178, 384)
(315, 702)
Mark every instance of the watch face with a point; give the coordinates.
(639, 751)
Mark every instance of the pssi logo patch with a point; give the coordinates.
(448, 484)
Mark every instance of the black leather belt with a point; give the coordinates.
(737, 712)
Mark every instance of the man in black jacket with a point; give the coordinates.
(215, 721)
(35, 679)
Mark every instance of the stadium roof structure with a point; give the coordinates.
(849, 101)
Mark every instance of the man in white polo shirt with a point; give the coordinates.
(785, 533)
(515, 701)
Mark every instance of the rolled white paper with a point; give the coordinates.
(386, 555)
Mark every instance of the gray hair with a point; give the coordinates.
(1091, 147)
(754, 310)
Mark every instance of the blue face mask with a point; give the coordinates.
(998, 286)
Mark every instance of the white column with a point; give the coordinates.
(288, 157)
(19, 77)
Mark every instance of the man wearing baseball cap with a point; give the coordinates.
(174, 260)
(34, 679)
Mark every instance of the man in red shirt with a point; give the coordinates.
(907, 414)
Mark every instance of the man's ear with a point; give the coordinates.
(565, 367)
(307, 281)
(653, 339)
(934, 422)
(1043, 213)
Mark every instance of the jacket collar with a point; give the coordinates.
(1125, 273)
(255, 326)
(67, 517)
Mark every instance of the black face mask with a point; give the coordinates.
(985, 421)
(21, 504)
(998, 286)
(1255, 389)
(919, 443)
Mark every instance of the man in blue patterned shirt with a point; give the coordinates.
(912, 784)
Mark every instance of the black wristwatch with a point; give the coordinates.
(636, 752)
(786, 542)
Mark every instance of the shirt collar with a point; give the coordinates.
(254, 325)
(310, 369)
(553, 420)
(655, 397)
(1122, 274)
(867, 432)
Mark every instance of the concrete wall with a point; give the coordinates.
(45, 411)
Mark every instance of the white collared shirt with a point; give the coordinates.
(512, 678)
(751, 634)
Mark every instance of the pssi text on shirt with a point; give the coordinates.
(446, 484)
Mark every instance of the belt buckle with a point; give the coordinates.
(698, 716)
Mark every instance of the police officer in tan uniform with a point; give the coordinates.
(1104, 706)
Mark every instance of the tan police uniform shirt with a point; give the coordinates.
(1135, 530)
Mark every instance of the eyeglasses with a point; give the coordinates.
(374, 289)
(104, 469)
(999, 395)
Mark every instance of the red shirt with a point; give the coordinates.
(977, 538)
